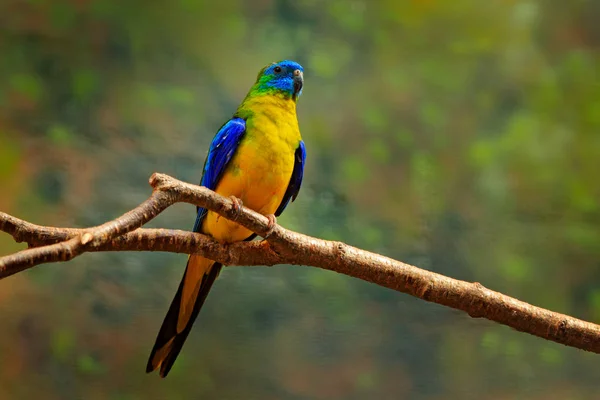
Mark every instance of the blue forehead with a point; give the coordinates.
(288, 65)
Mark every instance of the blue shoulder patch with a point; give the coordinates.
(222, 149)
(296, 180)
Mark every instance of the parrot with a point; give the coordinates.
(257, 159)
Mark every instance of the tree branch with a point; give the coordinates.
(49, 244)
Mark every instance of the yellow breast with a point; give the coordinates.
(260, 171)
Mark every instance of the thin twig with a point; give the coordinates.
(283, 247)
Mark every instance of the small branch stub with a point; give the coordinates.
(86, 238)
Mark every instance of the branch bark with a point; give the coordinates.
(50, 244)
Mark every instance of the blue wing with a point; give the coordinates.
(296, 180)
(222, 149)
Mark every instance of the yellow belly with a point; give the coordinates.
(258, 175)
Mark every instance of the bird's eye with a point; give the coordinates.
(277, 69)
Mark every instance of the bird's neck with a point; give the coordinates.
(252, 104)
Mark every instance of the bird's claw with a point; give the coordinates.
(271, 225)
(236, 205)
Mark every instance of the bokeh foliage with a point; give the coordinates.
(461, 136)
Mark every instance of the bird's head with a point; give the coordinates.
(284, 78)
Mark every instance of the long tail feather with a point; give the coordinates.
(200, 274)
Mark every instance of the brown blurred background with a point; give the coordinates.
(461, 136)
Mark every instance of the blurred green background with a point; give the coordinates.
(460, 136)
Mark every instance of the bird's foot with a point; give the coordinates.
(271, 225)
(236, 206)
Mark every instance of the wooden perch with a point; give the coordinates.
(49, 244)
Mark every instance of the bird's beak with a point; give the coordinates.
(298, 82)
